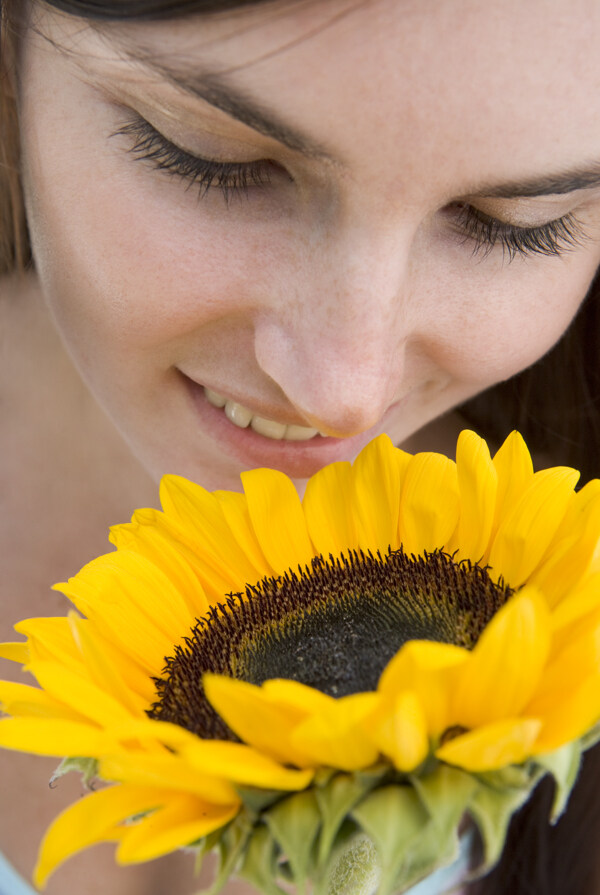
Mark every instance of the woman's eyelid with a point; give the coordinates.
(528, 213)
(196, 136)
(204, 144)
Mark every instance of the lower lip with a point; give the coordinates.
(298, 459)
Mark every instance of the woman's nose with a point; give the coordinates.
(335, 343)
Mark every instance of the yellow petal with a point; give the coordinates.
(134, 604)
(244, 766)
(525, 534)
(50, 736)
(277, 519)
(80, 694)
(583, 504)
(25, 701)
(167, 771)
(576, 662)
(569, 558)
(224, 759)
(337, 738)
(90, 820)
(429, 506)
(50, 639)
(377, 475)
(329, 516)
(425, 655)
(296, 695)
(477, 483)
(258, 720)
(495, 746)
(201, 519)
(430, 669)
(149, 733)
(583, 600)
(180, 823)
(234, 507)
(15, 652)
(399, 730)
(149, 535)
(515, 470)
(111, 670)
(571, 718)
(506, 665)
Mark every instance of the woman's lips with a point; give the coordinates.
(298, 459)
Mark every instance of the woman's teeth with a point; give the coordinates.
(242, 417)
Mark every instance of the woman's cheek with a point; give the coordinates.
(131, 262)
(488, 319)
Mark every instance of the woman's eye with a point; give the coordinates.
(231, 178)
(486, 233)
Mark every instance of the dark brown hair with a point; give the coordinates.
(555, 404)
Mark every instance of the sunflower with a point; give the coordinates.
(324, 689)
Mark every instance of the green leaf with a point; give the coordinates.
(294, 824)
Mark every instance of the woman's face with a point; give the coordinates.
(340, 216)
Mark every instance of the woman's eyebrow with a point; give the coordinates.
(547, 185)
(215, 89)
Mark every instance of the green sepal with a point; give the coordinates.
(446, 795)
(257, 800)
(232, 840)
(87, 767)
(336, 801)
(377, 831)
(431, 808)
(590, 738)
(563, 764)
(294, 824)
(492, 809)
(259, 864)
(378, 816)
(516, 777)
(204, 846)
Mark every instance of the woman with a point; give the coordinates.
(266, 232)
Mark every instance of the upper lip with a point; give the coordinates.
(255, 406)
(277, 415)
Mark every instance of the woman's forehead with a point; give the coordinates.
(478, 84)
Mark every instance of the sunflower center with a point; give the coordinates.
(334, 626)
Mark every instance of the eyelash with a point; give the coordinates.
(487, 232)
(236, 178)
(232, 178)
